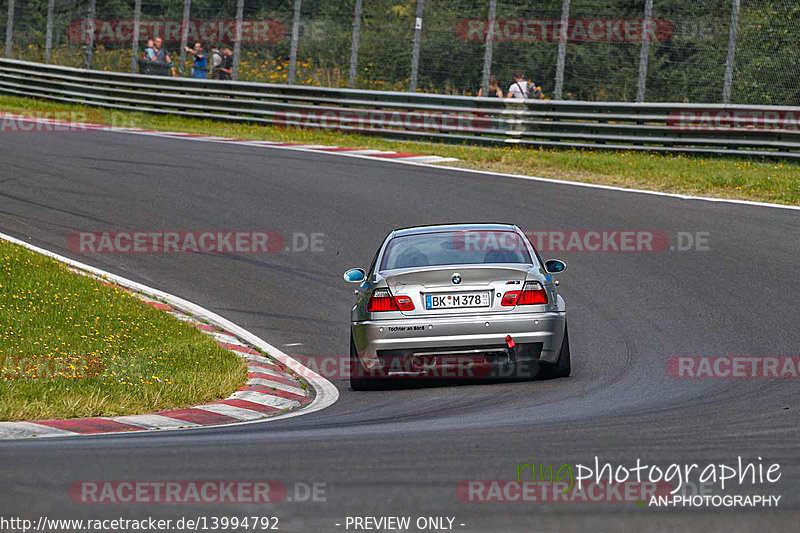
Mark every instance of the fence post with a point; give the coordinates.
(351, 82)
(9, 27)
(92, 13)
(48, 36)
(728, 82)
(644, 51)
(412, 86)
(237, 40)
(558, 93)
(187, 9)
(137, 17)
(295, 40)
(488, 48)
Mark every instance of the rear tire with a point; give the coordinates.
(563, 366)
(358, 378)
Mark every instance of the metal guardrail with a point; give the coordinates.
(763, 131)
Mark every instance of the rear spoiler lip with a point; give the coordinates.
(521, 267)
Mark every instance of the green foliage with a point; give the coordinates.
(686, 66)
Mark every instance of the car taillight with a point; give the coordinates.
(382, 300)
(510, 299)
(531, 294)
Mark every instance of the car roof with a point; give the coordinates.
(439, 228)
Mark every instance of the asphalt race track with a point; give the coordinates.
(404, 452)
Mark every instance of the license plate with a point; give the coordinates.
(457, 299)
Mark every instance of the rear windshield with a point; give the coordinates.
(455, 248)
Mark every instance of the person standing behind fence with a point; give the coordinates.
(518, 89)
(162, 56)
(200, 63)
(226, 68)
(216, 62)
(494, 88)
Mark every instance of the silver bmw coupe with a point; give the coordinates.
(457, 302)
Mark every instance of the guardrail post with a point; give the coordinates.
(9, 27)
(187, 9)
(48, 38)
(728, 81)
(92, 13)
(351, 81)
(644, 52)
(558, 93)
(137, 17)
(487, 52)
(412, 86)
(295, 40)
(237, 42)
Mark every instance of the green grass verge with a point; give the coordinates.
(71, 346)
(730, 177)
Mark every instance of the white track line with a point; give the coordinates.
(606, 187)
(411, 161)
(366, 154)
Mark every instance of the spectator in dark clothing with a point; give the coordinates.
(162, 56)
(226, 68)
(494, 88)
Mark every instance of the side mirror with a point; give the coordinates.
(355, 275)
(555, 266)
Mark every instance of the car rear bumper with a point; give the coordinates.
(538, 336)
